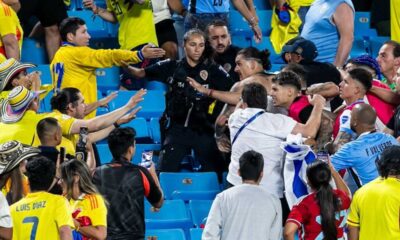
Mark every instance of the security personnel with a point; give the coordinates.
(191, 114)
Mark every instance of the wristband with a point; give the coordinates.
(116, 125)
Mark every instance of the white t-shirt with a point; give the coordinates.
(263, 135)
(160, 10)
(244, 212)
(5, 217)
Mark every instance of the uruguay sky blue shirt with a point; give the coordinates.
(361, 154)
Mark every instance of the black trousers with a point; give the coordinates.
(179, 141)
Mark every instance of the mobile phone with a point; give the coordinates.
(323, 156)
(62, 154)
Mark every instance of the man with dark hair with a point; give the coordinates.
(249, 201)
(74, 64)
(252, 128)
(124, 185)
(389, 61)
(361, 153)
(41, 215)
(374, 211)
(286, 93)
(225, 53)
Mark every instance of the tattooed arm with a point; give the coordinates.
(221, 137)
(327, 90)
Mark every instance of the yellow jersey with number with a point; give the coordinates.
(39, 216)
(74, 66)
(136, 25)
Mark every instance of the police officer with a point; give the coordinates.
(191, 114)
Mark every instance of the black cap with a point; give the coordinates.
(304, 48)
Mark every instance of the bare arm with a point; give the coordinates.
(11, 46)
(310, 129)
(6, 233)
(327, 90)
(344, 20)
(222, 139)
(246, 13)
(231, 97)
(354, 233)
(153, 174)
(65, 233)
(108, 119)
(290, 231)
(386, 95)
(103, 13)
(136, 72)
(177, 6)
(341, 139)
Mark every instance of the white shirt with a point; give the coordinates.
(5, 217)
(160, 10)
(263, 135)
(244, 212)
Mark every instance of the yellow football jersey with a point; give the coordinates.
(9, 25)
(395, 20)
(91, 206)
(39, 216)
(74, 66)
(136, 25)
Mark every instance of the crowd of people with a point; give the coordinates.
(223, 107)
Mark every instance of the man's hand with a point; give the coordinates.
(104, 101)
(257, 33)
(89, 4)
(128, 117)
(224, 143)
(197, 86)
(137, 98)
(317, 100)
(149, 51)
(34, 79)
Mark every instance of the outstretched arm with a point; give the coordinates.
(344, 20)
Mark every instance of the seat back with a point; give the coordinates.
(199, 210)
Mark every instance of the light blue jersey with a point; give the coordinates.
(320, 29)
(361, 154)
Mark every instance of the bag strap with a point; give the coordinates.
(245, 125)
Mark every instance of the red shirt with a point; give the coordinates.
(306, 214)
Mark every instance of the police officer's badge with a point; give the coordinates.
(227, 67)
(204, 75)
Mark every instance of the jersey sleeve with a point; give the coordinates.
(343, 158)
(98, 212)
(103, 58)
(7, 26)
(161, 70)
(62, 213)
(152, 192)
(298, 214)
(353, 219)
(345, 122)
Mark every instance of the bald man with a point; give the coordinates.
(361, 153)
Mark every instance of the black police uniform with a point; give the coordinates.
(191, 114)
(227, 61)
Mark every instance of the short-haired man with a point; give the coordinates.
(41, 215)
(220, 40)
(252, 128)
(389, 61)
(249, 201)
(74, 64)
(362, 152)
(124, 185)
(374, 211)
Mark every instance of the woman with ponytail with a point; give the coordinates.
(323, 213)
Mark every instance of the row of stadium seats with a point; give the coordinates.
(174, 234)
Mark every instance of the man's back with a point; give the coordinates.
(22, 131)
(362, 153)
(244, 212)
(39, 216)
(124, 186)
(375, 209)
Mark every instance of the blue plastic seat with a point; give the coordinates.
(107, 79)
(140, 126)
(241, 41)
(104, 153)
(190, 186)
(33, 51)
(153, 104)
(166, 234)
(361, 46)
(195, 233)
(199, 210)
(239, 25)
(156, 85)
(362, 25)
(97, 27)
(376, 44)
(173, 214)
(265, 17)
(155, 130)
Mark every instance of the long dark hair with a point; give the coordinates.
(319, 175)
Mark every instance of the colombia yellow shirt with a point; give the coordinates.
(395, 20)
(74, 66)
(9, 25)
(39, 216)
(23, 131)
(91, 206)
(136, 25)
(376, 210)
